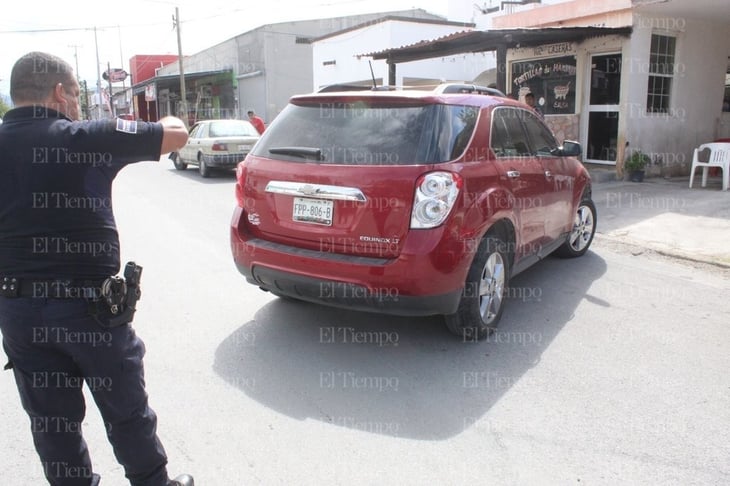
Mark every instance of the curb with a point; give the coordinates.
(637, 247)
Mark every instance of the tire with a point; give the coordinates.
(584, 228)
(177, 161)
(485, 289)
(203, 167)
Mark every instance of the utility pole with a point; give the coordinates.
(82, 84)
(183, 92)
(122, 65)
(98, 79)
(111, 93)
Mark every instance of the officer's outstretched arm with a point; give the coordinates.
(174, 134)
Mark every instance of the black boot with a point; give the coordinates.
(182, 480)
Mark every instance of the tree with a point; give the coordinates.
(4, 106)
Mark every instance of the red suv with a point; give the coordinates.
(408, 202)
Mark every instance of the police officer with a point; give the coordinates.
(58, 245)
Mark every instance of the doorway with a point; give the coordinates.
(604, 93)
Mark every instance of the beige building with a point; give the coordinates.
(616, 75)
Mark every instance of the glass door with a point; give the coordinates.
(603, 109)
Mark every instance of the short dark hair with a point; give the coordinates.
(529, 95)
(36, 74)
(250, 112)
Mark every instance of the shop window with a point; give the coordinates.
(552, 81)
(661, 73)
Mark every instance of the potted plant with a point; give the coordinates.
(634, 165)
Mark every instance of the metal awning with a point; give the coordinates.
(173, 79)
(490, 40)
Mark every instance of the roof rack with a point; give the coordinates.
(468, 88)
(354, 87)
(444, 88)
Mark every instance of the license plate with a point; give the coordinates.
(318, 211)
(244, 148)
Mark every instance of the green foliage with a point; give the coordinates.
(636, 161)
(4, 106)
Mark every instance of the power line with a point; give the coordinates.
(37, 31)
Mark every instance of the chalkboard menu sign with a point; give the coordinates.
(552, 81)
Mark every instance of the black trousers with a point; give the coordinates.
(55, 347)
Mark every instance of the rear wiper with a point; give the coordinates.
(304, 152)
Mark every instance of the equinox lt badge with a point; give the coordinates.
(380, 239)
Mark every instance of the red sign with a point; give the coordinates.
(115, 75)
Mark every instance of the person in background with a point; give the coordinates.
(59, 255)
(530, 101)
(256, 121)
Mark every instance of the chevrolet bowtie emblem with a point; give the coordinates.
(308, 190)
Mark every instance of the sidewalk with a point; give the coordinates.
(665, 216)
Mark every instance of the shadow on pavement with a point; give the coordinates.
(217, 176)
(404, 377)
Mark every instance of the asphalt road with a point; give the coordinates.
(608, 369)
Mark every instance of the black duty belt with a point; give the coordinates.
(56, 288)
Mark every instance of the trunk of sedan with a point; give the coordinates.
(330, 209)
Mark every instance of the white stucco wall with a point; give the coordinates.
(695, 114)
(702, 51)
(219, 57)
(343, 49)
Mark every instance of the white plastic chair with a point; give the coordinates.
(719, 157)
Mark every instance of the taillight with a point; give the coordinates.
(240, 176)
(219, 147)
(436, 193)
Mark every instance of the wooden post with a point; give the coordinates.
(620, 155)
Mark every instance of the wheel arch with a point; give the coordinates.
(504, 230)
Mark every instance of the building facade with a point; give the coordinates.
(660, 90)
(259, 69)
(337, 58)
(616, 75)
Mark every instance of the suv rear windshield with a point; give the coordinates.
(359, 133)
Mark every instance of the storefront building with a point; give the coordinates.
(617, 75)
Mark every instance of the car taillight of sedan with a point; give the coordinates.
(219, 147)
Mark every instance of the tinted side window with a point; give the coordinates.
(508, 138)
(194, 131)
(202, 131)
(463, 121)
(542, 141)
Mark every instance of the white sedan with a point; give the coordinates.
(216, 144)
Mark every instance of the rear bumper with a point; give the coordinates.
(348, 295)
(427, 278)
(223, 160)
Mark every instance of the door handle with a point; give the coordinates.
(513, 174)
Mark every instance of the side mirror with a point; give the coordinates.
(570, 149)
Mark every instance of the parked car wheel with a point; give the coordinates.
(177, 161)
(584, 227)
(482, 301)
(203, 167)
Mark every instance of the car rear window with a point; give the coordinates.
(228, 129)
(362, 133)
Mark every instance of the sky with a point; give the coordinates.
(129, 27)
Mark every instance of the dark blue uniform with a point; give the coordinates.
(56, 223)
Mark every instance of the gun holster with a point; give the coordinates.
(118, 298)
